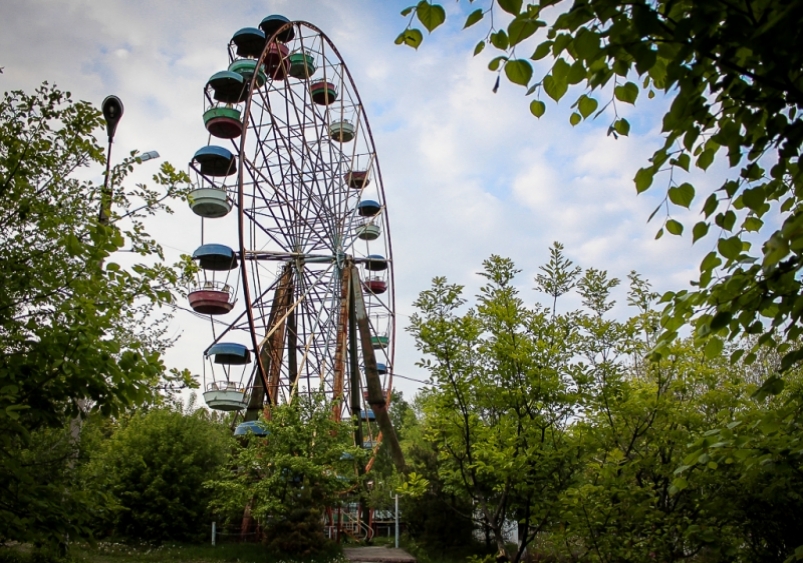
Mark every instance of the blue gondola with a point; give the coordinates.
(215, 161)
(251, 427)
(272, 23)
(375, 263)
(229, 87)
(249, 42)
(368, 208)
(229, 353)
(216, 257)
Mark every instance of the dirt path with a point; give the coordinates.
(373, 554)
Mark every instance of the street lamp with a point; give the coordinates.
(112, 108)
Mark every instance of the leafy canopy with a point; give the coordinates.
(79, 331)
(154, 466)
(732, 71)
(304, 463)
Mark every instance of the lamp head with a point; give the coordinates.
(112, 108)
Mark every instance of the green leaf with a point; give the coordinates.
(710, 205)
(626, 93)
(774, 385)
(674, 227)
(699, 231)
(537, 108)
(519, 71)
(682, 195)
(575, 118)
(720, 320)
(577, 73)
(680, 483)
(754, 198)
(555, 89)
(495, 62)
(730, 248)
(710, 262)
(478, 49)
(473, 18)
(430, 15)
(586, 44)
(644, 178)
(752, 224)
(560, 71)
(510, 6)
(683, 161)
(410, 37)
(500, 40)
(705, 159)
(586, 105)
(541, 51)
(562, 41)
(775, 250)
(621, 126)
(714, 347)
(520, 29)
(408, 10)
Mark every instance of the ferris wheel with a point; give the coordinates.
(305, 303)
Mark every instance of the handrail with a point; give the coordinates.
(225, 386)
(212, 286)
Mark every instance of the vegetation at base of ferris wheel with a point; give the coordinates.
(307, 462)
(80, 333)
(731, 72)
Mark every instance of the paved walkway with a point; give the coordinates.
(376, 554)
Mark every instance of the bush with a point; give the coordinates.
(155, 467)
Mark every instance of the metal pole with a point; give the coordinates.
(397, 520)
(213, 533)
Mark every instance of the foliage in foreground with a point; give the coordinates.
(732, 71)
(79, 332)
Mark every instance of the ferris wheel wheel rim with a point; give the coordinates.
(242, 166)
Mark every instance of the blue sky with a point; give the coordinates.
(467, 172)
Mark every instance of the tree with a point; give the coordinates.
(758, 448)
(78, 330)
(304, 463)
(505, 388)
(732, 70)
(564, 423)
(438, 519)
(628, 503)
(154, 466)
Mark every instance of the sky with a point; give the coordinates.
(467, 172)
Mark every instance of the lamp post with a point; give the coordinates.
(396, 518)
(112, 108)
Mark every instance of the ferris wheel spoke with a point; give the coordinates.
(290, 204)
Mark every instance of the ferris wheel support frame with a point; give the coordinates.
(377, 400)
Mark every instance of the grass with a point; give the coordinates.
(111, 552)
